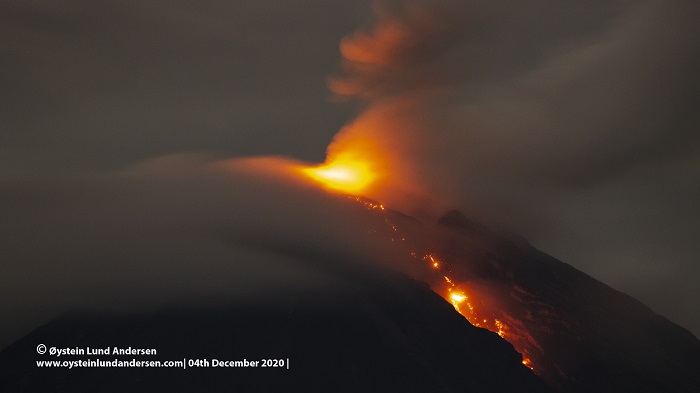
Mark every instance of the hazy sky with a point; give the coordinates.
(575, 123)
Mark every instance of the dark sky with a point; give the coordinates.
(575, 123)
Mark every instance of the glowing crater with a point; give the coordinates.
(343, 174)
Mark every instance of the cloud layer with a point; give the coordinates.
(177, 230)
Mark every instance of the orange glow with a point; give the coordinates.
(368, 203)
(469, 301)
(501, 328)
(434, 262)
(457, 298)
(379, 48)
(343, 173)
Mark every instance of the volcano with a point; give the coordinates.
(484, 311)
(376, 334)
(576, 333)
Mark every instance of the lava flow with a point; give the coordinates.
(350, 177)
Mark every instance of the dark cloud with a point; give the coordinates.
(573, 123)
(90, 85)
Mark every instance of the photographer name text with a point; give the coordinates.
(108, 351)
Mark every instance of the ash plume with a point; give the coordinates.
(558, 120)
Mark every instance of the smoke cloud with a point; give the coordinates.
(572, 123)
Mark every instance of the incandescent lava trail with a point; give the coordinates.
(344, 176)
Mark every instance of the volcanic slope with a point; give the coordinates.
(376, 332)
(379, 330)
(576, 333)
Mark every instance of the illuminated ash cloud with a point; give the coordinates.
(484, 94)
(557, 120)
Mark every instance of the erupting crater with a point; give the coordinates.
(346, 174)
(343, 173)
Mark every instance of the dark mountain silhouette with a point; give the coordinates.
(381, 331)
